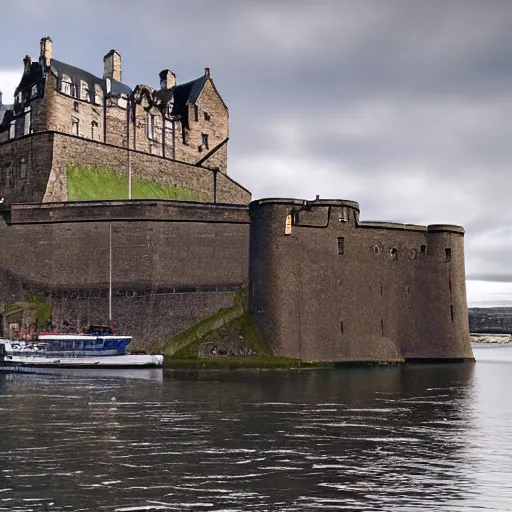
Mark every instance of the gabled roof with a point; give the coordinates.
(34, 75)
(76, 75)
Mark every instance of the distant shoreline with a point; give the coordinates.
(499, 339)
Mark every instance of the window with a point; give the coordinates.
(84, 91)
(204, 139)
(27, 128)
(394, 253)
(94, 130)
(12, 130)
(75, 126)
(65, 85)
(122, 102)
(341, 244)
(448, 254)
(151, 126)
(76, 106)
(23, 169)
(98, 95)
(34, 91)
(152, 148)
(341, 327)
(207, 116)
(423, 249)
(343, 214)
(451, 311)
(196, 113)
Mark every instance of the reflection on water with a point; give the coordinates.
(426, 437)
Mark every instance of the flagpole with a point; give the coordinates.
(110, 272)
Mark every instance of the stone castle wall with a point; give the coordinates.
(33, 169)
(336, 289)
(173, 262)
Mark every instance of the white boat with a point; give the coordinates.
(100, 348)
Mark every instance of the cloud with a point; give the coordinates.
(9, 80)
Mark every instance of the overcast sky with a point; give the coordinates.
(404, 106)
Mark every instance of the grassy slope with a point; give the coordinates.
(228, 323)
(96, 183)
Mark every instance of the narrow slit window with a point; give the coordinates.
(423, 248)
(341, 244)
(394, 253)
(451, 311)
(382, 326)
(448, 254)
(341, 327)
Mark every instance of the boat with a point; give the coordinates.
(98, 347)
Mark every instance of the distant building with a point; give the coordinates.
(186, 123)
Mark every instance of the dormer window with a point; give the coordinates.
(34, 91)
(19, 97)
(122, 102)
(65, 85)
(84, 91)
(98, 95)
(12, 130)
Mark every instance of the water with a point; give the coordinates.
(429, 437)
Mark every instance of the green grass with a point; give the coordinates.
(89, 183)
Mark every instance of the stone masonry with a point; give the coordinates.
(183, 123)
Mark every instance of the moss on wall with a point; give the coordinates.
(85, 183)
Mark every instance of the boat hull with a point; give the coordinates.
(15, 363)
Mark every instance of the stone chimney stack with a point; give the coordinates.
(46, 51)
(112, 65)
(27, 62)
(167, 79)
(207, 72)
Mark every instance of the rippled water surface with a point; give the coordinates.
(426, 437)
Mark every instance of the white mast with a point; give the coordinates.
(110, 272)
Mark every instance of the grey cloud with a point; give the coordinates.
(403, 106)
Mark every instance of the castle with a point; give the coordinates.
(63, 115)
(323, 285)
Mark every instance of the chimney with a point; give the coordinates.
(207, 72)
(27, 62)
(0, 98)
(112, 65)
(167, 79)
(46, 51)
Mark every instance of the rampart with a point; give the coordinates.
(33, 169)
(172, 262)
(326, 287)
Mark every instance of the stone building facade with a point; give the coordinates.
(186, 123)
(324, 286)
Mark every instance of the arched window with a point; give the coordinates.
(65, 85)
